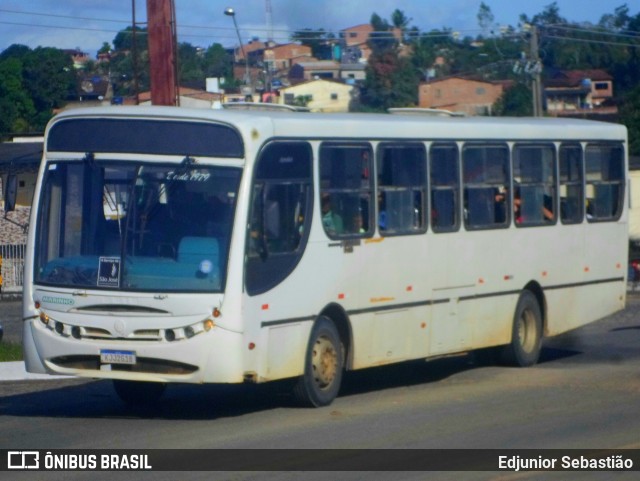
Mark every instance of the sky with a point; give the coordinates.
(87, 24)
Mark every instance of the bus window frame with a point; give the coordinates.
(269, 269)
(487, 186)
(581, 209)
(554, 185)
(622, 182)
(418, 186)
(457, 189)
(367, 173)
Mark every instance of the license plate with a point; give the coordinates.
(108, 356)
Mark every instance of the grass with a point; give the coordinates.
(10, 351)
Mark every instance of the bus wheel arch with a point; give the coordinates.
(323, 366)
(527, 328)
(536, 290)
(340, 319)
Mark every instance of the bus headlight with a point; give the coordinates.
(190, 331)
(208, 325)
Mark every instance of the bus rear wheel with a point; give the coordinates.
(526, 336)
(320, 383)
(138, 393)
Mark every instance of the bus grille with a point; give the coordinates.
(142, 365)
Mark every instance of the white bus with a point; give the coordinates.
(169, 245)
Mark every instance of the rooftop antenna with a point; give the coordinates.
(269, 21)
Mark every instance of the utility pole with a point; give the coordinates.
(162, 52)
(536, 82)
(134, 51)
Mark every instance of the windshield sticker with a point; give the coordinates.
(109, 272)
(188, 176)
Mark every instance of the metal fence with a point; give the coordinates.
(12, 267)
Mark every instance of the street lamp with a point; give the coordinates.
(230, 12)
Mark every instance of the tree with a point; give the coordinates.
(15, 104)
(516, 101)
(424, 53)
(392, 80)
(15, 51)
(190, 64)
(50, 79)
(126, 74)
(617, 21)
(33, 84)
(399, 19)
(318, 41)
(630, 116)
(549, 16)
(106, 48)
(124, 39)
(486, 20)
(381, 39)
(217, 62)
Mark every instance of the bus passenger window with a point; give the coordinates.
(534, 183)
(604, 165)
(444, 180)
(571, 184)
(401, 171)
(345, 189)
(280, 215)
(486, 182)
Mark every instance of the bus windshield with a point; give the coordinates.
(135, 226)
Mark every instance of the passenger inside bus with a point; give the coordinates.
(331, 220)
(530, 204)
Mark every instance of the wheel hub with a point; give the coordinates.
(324, 361)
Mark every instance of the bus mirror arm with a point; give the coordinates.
(10, 193)
(10, 197)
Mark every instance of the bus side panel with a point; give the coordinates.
(394, 281)
(279, 321)
(285, 353)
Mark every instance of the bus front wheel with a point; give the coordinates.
(136, 393)
(320, 383)
(526, 336)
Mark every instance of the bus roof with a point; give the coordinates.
(287, 124)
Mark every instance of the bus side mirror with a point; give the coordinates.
(10, 193)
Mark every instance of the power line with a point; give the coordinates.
(591, 41)
(57, 27)
(594, 30)
(286, 34)
(71, 17)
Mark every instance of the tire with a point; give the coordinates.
(323, 366)
(138, 393)
(526, 337)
